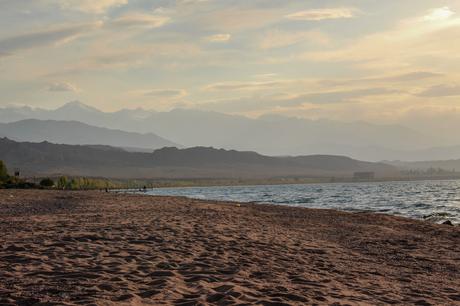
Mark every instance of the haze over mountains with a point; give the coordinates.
(74, 132)
(43, 159)
(269, 135)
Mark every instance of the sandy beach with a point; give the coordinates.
(96, 248)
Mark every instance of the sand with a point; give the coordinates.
(93, 248)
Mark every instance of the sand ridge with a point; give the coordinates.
(93, 248)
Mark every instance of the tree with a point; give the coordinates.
(3, 171)
(47, 182)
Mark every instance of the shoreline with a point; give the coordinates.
(190, 183)
(363, 211)
(91, 247)
(156, 183)
(433, 217)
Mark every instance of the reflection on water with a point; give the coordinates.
(440, 200)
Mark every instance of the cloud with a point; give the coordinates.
(338, 96)
(258, 103)
(245, 103)
(237, 86)
(235, 19)
(411, 76)
(44, 38)
(415, 43)
(399, 78)
(278, 39)
(322, 14)
(165, 93)
(441, 91)
(265, 75)
(189, 2)
(4, 54)
(141, 20)
(107, 56)
(90, 6)
(63, 87)
(219, 38)
(441, 13)
(129, 57)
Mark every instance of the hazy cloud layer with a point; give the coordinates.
(339, 96)
(322, 14)
(62, 86)
(141, 20)
(441, 91)
(90, 6)
(166, 93)
(219, 37)
(46, 37)
(278, 39)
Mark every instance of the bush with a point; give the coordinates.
(7, 181)
(16, 183)
(3, 171)
(47, 182)
(62, 182)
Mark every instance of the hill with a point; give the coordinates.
(54, 159)
(73, 132)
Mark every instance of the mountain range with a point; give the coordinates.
(48, 159)
(270, 135)
(74, 132)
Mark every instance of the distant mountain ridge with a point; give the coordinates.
(53, 159)
(270, 135)
(73, 132)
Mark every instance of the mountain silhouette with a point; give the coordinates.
(269, 135)
(46, 158)
(73, 132)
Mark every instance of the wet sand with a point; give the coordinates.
(93, 248)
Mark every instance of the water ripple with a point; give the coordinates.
(420, 199)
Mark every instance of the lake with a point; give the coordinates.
(434, 200)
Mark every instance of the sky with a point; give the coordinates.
(371, 60)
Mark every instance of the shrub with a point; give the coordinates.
(47, 182)
(3, 171)
(7, 181)
(62, 182)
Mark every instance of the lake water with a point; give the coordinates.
(440, 200)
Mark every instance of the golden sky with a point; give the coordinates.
(377, 61)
